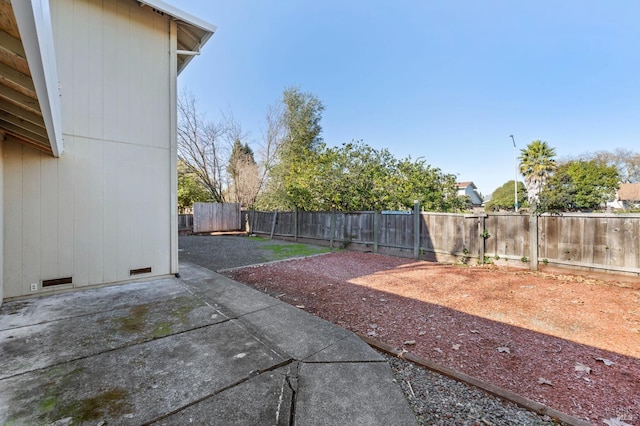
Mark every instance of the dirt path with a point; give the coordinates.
(567, 341)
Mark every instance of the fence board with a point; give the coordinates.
(185, 222)
(216, 217)
(599, 229)
(631, 250)
(583, 240)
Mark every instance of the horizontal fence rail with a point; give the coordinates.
(582, 241)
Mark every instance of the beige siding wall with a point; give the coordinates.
(104, 207)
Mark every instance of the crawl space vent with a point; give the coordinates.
(57, 281)
(140, 271)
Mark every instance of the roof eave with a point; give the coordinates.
(182, 16)
(189, 58)
(34, 22)
(206, 28)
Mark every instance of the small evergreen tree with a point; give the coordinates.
(503, 198)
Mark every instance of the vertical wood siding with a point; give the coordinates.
(104, 207)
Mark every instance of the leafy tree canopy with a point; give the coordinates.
(298, 120)
(302, 116)
(503, 198)
(627, 162)
(357, 177)
(579, 185)
(190, 189)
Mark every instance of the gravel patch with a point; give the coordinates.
(231, 251)
(439, 400)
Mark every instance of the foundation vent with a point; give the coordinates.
(139, 271)
(57, 281)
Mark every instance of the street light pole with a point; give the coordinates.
(515, 181)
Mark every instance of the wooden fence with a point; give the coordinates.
(582, 241)
(216, 217)
(185, 222)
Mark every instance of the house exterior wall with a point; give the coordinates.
(471, 193)
(105, 206)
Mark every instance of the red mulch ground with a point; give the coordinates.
(548, 337)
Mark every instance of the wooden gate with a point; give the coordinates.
(216, 217)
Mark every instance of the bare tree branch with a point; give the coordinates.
(200, 146)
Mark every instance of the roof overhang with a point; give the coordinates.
(29, 95)
(192, 33)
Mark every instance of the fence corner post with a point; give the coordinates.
(416, 229)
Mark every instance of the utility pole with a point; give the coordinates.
(515, 181)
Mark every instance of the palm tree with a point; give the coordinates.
(536, 164)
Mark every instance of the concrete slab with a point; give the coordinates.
(294, 331)
(349, 349)
(201, 349)
(90, 301)
(266, 400)
(350, 394)
(230, 297)
(68, 338)
(137, 384)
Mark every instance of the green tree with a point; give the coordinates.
(418, 181)
(536, 165)
(503, 197)
(344, 178)
(626, 161)
(579, 185)
(302, 116)
(190, 189)
(358, 177)
(299, 120)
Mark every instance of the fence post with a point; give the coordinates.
(295, 224)
(253, 220)
(483, 240)
(376, 230)
(273, 224)
(533, 239)
(416, 229)
(332, 227)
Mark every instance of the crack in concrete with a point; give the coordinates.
(292, 382)
(251, 375)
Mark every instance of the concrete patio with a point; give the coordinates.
(199, 349)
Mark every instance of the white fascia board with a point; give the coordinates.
(183, 16)
(34, 23)
(188, 19)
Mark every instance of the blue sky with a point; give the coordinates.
(445, 80)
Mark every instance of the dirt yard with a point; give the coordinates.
(567, 341)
